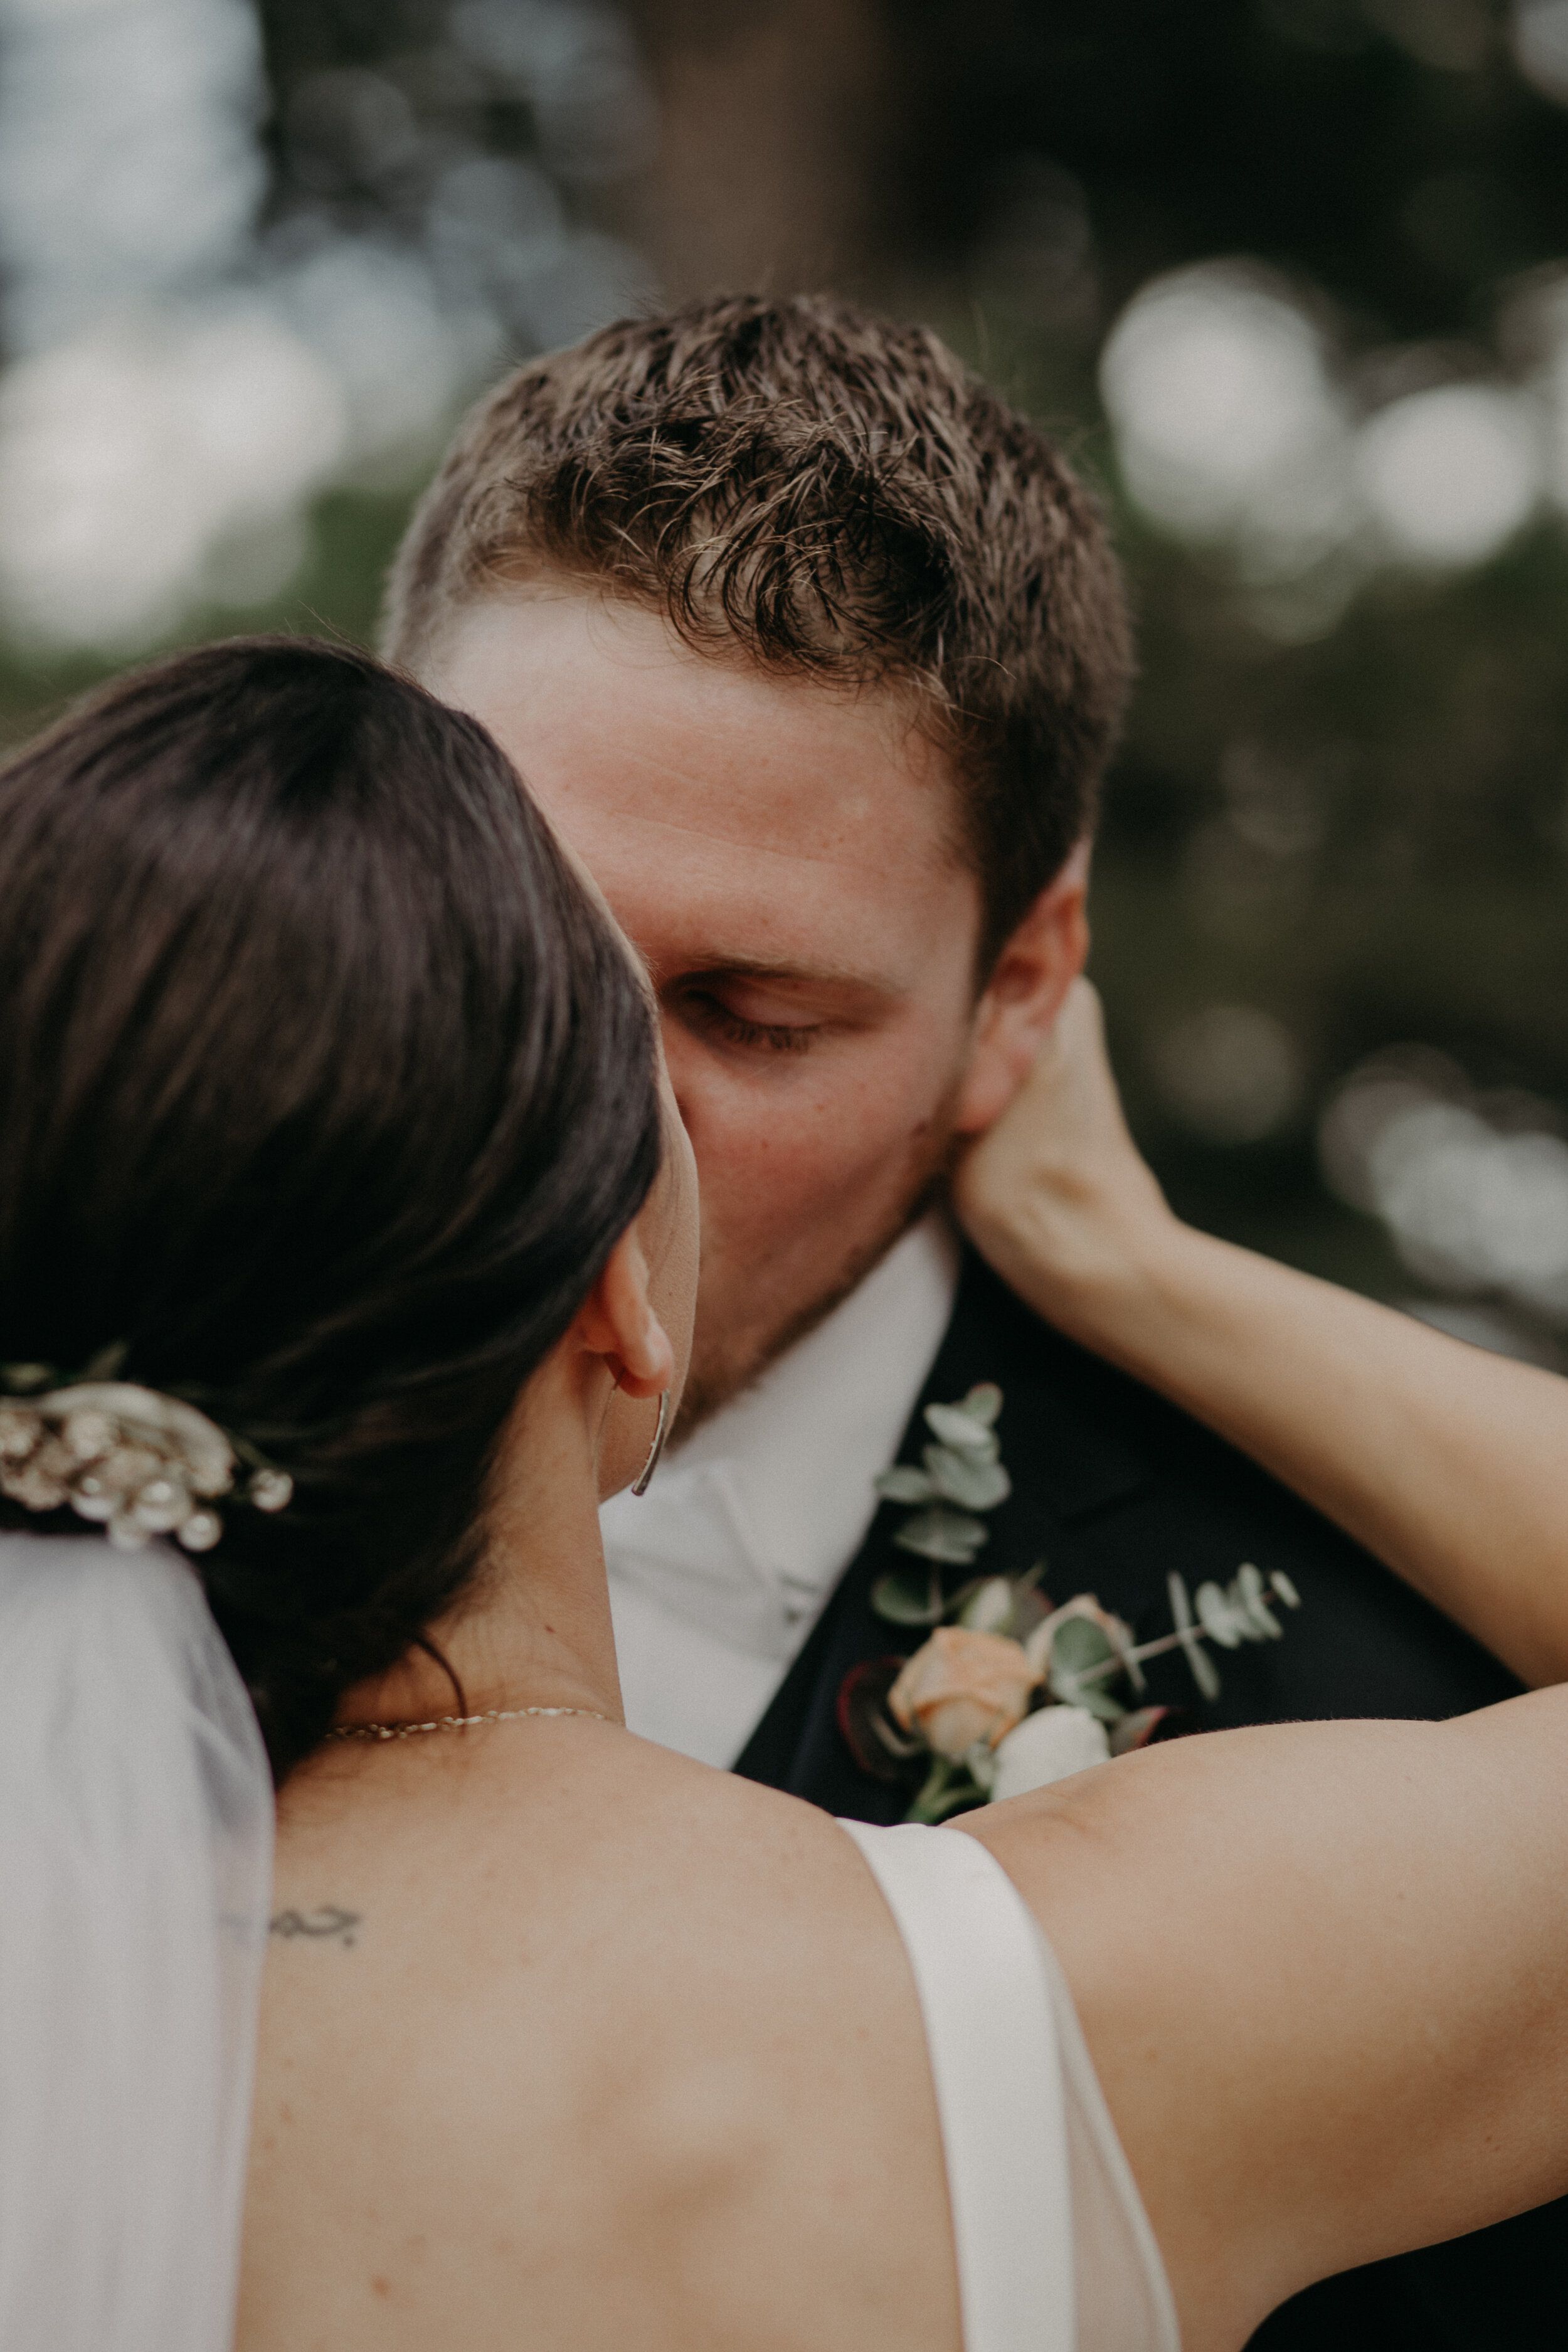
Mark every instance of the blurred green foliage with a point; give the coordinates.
(1367, 836)
(337, 594)
(1364, 834)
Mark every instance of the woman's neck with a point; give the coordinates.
(533, 1630)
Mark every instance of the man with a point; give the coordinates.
(816, 651)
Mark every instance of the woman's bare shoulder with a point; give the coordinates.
(530, 1802)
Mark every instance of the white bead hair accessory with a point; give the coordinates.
(137, 1463)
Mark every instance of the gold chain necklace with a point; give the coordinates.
(455, 1722)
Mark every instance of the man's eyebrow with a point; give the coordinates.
(808, 975)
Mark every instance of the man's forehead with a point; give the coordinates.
(844, 914)
(724, 840)
(732, 818)
(603, 702)
(761, 919)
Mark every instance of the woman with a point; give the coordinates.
(333, 1152)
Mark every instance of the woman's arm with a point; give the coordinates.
(1323, 1971)
(1448, 1464)
(1322, 1968)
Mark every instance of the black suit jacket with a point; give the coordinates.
(1112, 1488)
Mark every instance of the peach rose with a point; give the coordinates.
(960, 1687)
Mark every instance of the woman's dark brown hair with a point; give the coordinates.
(325, 1091)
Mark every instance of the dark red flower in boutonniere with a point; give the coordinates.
(871, 1734)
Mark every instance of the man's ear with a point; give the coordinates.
(1034, 972)
(616, 1322)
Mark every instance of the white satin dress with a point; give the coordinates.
(1054, 2249)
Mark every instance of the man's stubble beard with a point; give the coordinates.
(718, 1374)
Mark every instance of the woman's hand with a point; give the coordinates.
(1054, 1195)
(1442, 1461)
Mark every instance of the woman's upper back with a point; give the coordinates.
(566, 2037)
(615, 2048)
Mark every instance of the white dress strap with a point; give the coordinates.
(1053, 2249)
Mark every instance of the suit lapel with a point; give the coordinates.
(1065, 1466)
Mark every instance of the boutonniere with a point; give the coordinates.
(1007, 1692)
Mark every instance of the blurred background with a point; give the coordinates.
(1288, 277)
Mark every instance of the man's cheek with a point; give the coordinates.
(823, 1186)
(807, 1132)
(743, 1115)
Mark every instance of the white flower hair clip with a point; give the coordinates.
(135, 1462)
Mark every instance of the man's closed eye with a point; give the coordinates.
(710, 1015)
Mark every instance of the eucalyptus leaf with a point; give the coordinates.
(1079, 1646)
(965, 1479)
(1202, 1667)
(983, 1403)
(1197, 1658)
(1079, 1643)
(989, 1608)
(1090, 1696)
(1247, 1592)
(1038, 1643)
(942, 1534)
(1127, 1651)
(1029, 1610)
(907, 1599)
(1217, 1617)
(962, 1431)
(21, 1379)
(1283, 1589)
(904, 1484)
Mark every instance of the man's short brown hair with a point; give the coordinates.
(826, 493)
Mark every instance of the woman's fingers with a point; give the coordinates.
(1063, 1133)
(1055, 1191)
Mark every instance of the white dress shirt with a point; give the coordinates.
(718, 1574)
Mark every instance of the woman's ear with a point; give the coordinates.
(616, 1322)
(1024, 993)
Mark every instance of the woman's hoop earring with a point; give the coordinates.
(657, 1448)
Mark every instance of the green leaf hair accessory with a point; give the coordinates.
(132, 1460)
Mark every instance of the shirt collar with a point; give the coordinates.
(747, 1528)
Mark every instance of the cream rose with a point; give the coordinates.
(963, 1687)
(1050, 1745)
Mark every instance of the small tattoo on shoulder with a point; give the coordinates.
(328, 1922)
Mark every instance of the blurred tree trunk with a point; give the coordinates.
(769, 172)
